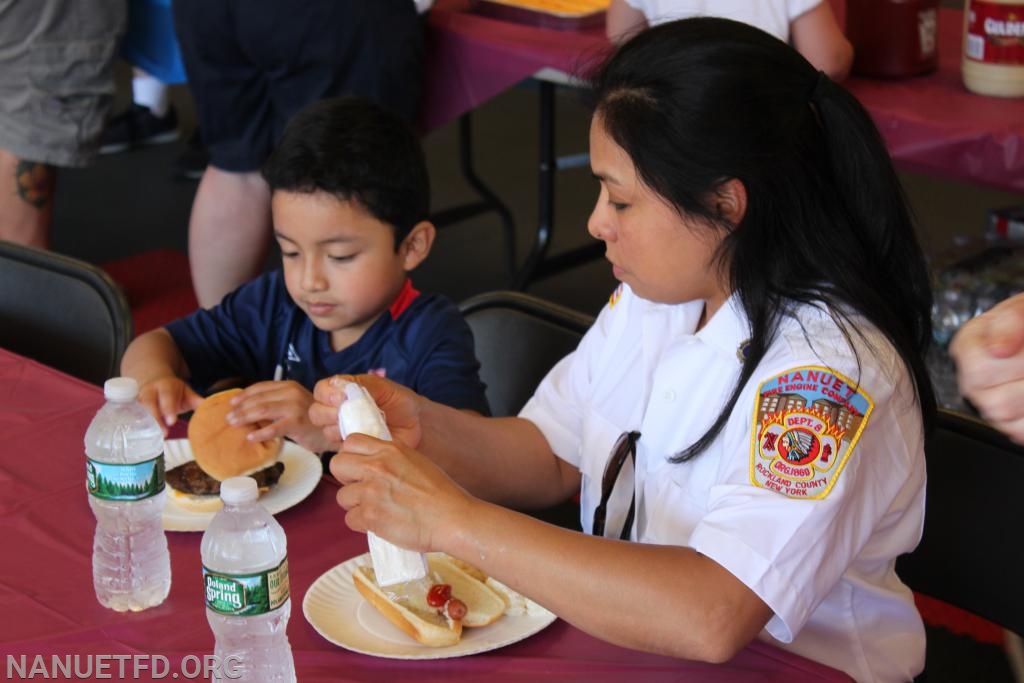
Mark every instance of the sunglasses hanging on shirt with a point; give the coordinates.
(625, 447)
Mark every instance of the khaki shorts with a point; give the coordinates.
(57, 76)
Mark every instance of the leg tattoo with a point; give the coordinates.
(35, 183)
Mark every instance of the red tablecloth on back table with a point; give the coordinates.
(47, 605)
(931, 124)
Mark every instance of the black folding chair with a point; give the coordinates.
(518, 338)
(62, 312)
(972, 552)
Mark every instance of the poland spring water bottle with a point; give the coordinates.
(245, 575)
(124, 450)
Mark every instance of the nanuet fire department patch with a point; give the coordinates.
(806, 424)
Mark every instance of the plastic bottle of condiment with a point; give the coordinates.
(993, 56)
(893, 38)
(124, 450)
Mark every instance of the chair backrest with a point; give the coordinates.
(62, 312)
(519, 337)
(972, 552)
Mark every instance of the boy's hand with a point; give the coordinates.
(285, 405)
(166, 398)
(400, 405)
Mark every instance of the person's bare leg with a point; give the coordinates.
(26, 200)
(229, 232)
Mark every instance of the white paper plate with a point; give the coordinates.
(302, 471)
(339, 613)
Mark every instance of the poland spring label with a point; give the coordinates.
(111, 481)
(246, 595)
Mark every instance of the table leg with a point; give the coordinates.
(537, 265)
(489, 201)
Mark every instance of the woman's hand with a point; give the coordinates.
(398, 493)
(400, 405)
(285, 405)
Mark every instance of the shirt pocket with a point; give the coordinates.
(676, 498)
(599, 438)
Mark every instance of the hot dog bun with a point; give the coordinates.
(405, 605)
(484, 605)
(221, 450)
(420, 621)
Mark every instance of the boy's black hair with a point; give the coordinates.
(700, 101)
(358, 151)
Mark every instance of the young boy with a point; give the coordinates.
(349, 198)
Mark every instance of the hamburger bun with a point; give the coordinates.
(195, 502)
(222, 450)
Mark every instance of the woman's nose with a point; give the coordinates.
(598, 225)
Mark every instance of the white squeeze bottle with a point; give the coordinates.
(245, 576)
(392, 565)
(124, 450)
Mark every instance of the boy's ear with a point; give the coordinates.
(731, 200)
(416, 245)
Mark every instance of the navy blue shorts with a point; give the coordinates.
(252, 64)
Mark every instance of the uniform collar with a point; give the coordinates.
(728, 330)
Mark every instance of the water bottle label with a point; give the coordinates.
(111, 481)
(246, 595)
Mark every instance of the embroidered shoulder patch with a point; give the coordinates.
(806, 424)
(616, 295)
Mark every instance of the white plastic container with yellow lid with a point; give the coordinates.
(993, 56)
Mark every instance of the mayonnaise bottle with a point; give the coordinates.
(993, 55)
(392, 565)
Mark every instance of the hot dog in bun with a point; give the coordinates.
(221, 451)
(434, 610)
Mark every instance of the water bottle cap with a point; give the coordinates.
(235, 490)
(120, 389)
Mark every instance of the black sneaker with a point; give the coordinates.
(192, 162)
(137, 126)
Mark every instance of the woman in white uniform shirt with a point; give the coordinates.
(810, 25)
(761, 362)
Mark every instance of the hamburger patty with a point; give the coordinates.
(189, 478)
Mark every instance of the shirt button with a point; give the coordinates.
(670, 396)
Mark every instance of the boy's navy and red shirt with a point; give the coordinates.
(422, 342)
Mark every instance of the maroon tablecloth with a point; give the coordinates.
(47, 606)
(931, 124)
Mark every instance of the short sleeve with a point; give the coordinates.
(558, 407)
(231, 339)
(442, 352)
(815, 485)
(795, 8)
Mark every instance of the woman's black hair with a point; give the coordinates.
(358, 151)
(698, 102)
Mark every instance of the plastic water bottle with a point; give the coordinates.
(245, 575)
(124, 450)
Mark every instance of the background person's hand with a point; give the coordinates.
(285, 405)
(400, 406)
(989, 355)
(167, 398)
